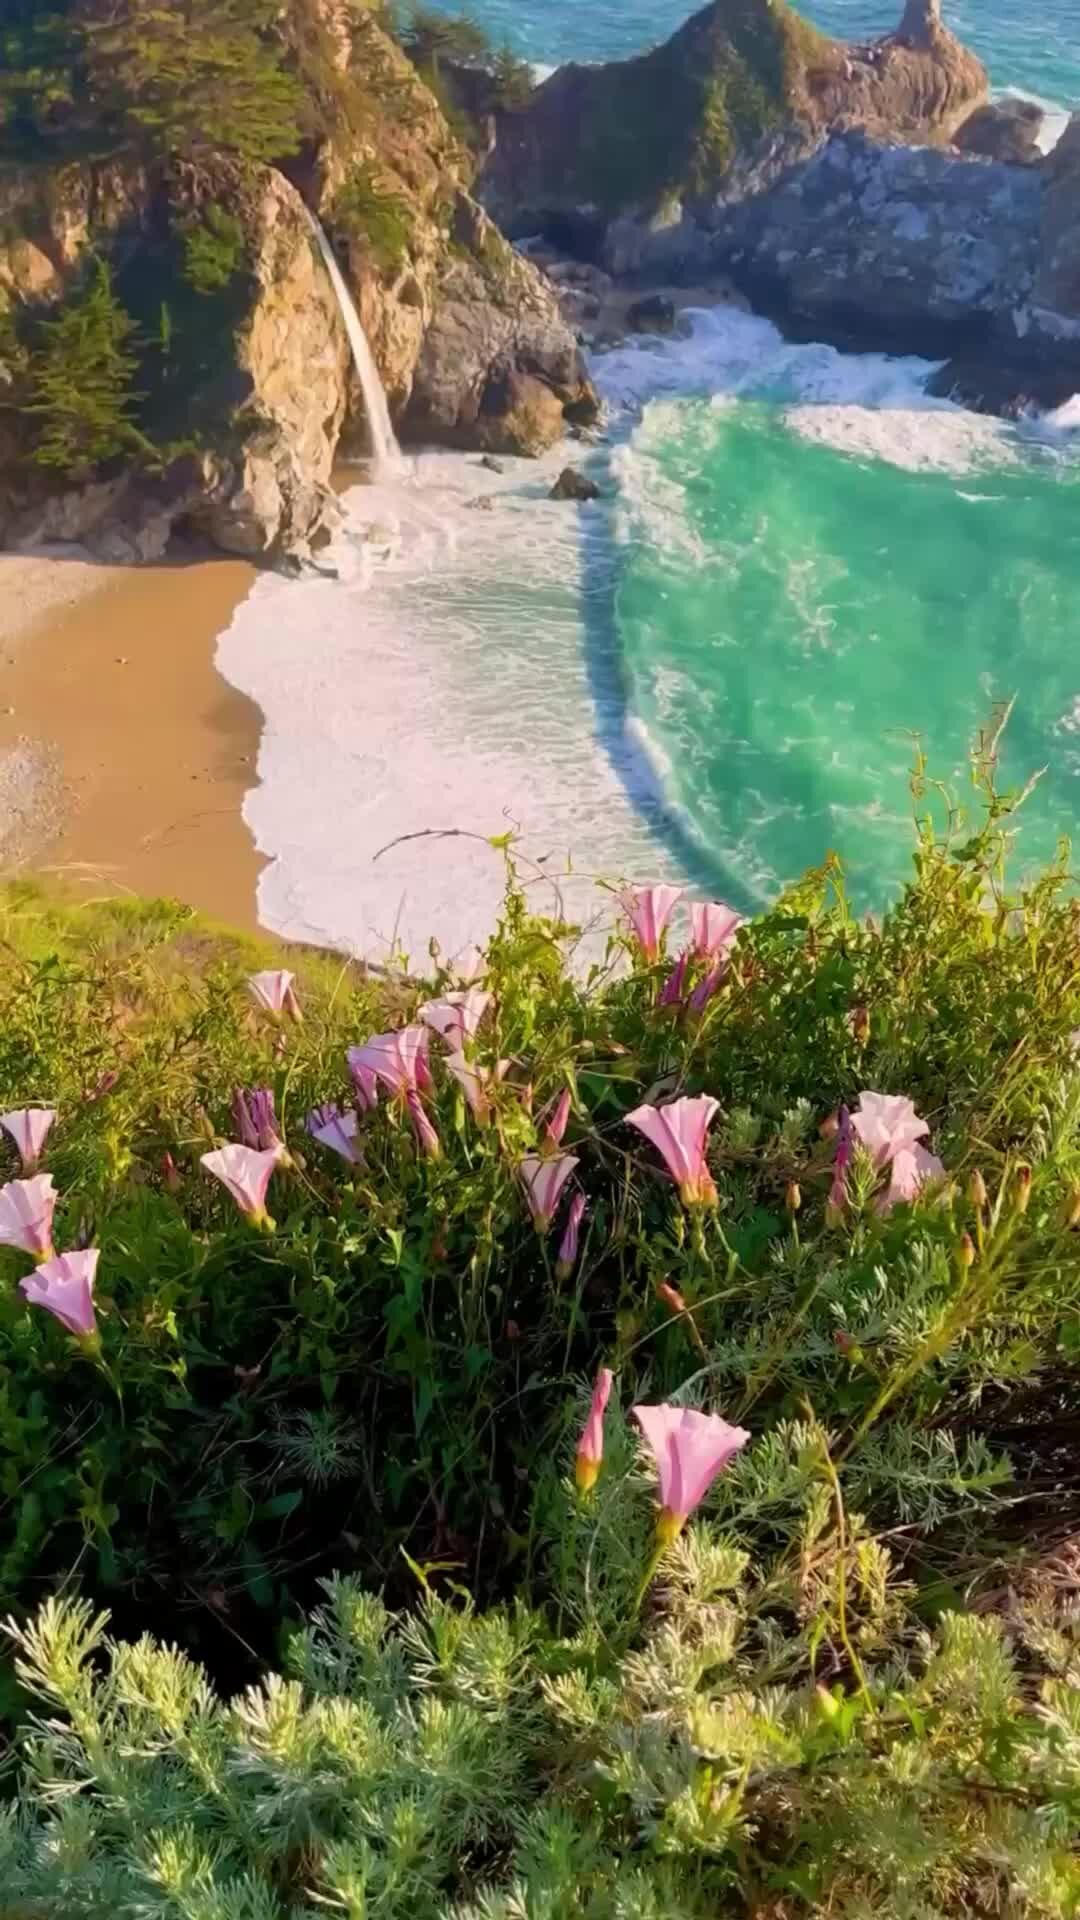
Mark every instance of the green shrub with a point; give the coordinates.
(178, 79)
(81, 375)
(215, 248)
(776, 1735)
(383, 221)
(512, 79)
(429, 35)
(388, 1366)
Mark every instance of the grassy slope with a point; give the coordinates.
(673, 120)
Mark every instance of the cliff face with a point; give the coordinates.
(741, 91)
(468, 336)
(244, 374)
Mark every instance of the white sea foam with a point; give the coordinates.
(463, 675)
(1057, 116)
(920, 439)
(869, 405)
(1064, 419)
(440, 688)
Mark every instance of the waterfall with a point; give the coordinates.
(384, 445)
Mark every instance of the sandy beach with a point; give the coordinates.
(124, 757)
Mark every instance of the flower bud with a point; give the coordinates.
(671, 1297)
(965, 1251)
(1022, 1189)
(170, 1174)
(977, 1193)
(793, 1197)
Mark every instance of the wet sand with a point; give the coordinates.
(124, 757)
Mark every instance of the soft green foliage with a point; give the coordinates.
(389, 1366)
(672, 121)
(449, 49)
(198, 77)
(429, 35)
(175, 77)
(215, 248)
(82, 373)
(751, 1745)
(36, 69)
(381, 220)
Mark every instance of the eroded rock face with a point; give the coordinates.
(468, 338)
(1004, 130)
(275, 494)
(1057, 284)
(652, 142)
(906, 248)
(912, 250)
(499, 368)
(261, 486)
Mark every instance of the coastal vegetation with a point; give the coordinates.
(673, 120)
(310, 1272)
(205, 78)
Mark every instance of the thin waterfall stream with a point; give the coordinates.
(384, 446)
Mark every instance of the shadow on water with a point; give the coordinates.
(609, 684)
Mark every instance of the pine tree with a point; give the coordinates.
(81, 377)
(195, 78)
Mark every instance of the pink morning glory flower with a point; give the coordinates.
(544, 1180)
(245, 1174)
(26, 1215)
(705, 988)
(714, 927)
(473, 1082)
(648, 910)
(456, 1017)
(366, 1086)
(273, 990)
(674, 987)
(556, 1123)
(256, 1121)
(909, 1171)
(398, 1060)
(590, 1452)
(568, 1250)
(64, 1286)
(426, 1137)
(690, 1449)
(333, 1128)
(885, 1123)
(678, 1133)
(29, 1128)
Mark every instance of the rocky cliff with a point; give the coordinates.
(741, 92)
(244, 379)
(849, 191)
(917, 250)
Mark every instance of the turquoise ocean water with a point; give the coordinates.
(800, 561)
(801, 588)
(1025, 44)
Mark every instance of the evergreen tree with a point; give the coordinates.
(38, 56)
(81, 377)
(196, 77)
(179, 77)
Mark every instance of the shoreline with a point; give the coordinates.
(124, 756)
